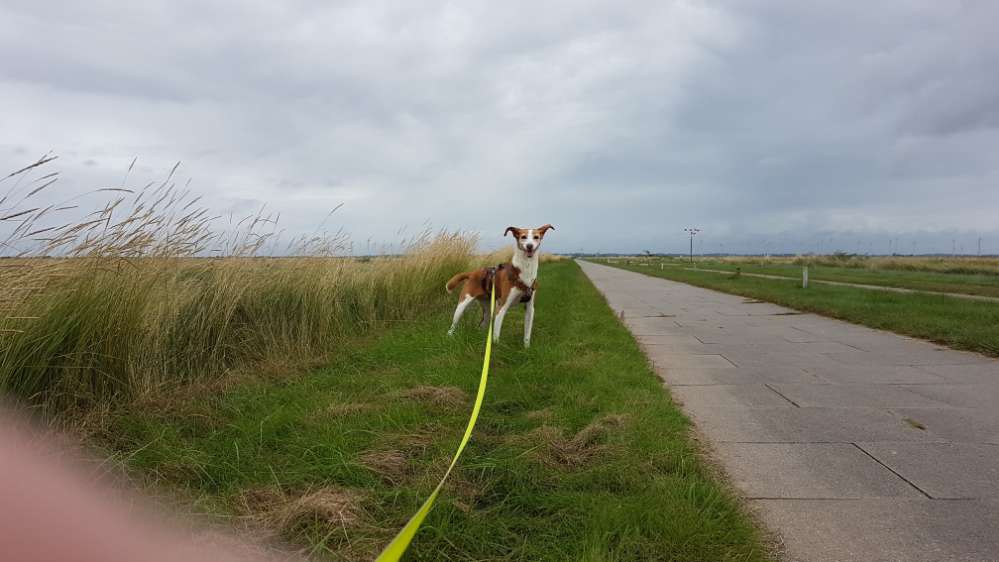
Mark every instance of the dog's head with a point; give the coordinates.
(529, 239)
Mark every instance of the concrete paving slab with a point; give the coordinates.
(982, 373)
(687, 360)
(884, 530)
(740, 338)
(928, 356)
(805, 361)
(687, 377)
(754, 309)
(671, 339)
(831, 331)
(884, 342)
(703, 398)
(943, 470)
(810, 470)
(981, 396)
(854, 396)
(656, 349)
(795, 335)
(966, 425)
(639, 312)
(780, 345)
(885, 374)
(807, 425)
(652, 326)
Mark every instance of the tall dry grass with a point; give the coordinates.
(124, 301)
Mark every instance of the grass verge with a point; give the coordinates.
(983, 284)
(958, 323)
(579, 453)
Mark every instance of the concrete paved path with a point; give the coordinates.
(851, 443)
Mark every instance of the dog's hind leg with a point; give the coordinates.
(459, 311)
(485, 314)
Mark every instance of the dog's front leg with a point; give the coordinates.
(529, 320)
(498, 321)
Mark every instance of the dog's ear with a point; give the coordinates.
(513, 228)
(545, 228)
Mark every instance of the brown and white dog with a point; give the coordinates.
(516, 281)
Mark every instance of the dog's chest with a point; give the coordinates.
(528, 269)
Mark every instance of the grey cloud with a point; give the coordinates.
(757, 120)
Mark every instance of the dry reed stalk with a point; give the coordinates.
(126, 301)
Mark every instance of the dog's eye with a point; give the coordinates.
(536, 237)
(523, 238)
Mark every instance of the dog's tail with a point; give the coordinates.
(453, 282)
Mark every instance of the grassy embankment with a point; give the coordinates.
(959, 323)
(578, 455)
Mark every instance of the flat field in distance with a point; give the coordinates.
(973, 276)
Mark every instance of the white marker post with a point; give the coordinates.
(804, 277)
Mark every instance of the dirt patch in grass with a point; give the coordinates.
(441, 396)
(392, 466)
(349, 409)
(545, 414)
(226, 546)
(419, 442)
(464, 493)
(289, 515)
(556, 449)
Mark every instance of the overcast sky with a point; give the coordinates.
(790, 125)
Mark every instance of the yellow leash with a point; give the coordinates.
(400, 543)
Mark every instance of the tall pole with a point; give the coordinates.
(692, 231)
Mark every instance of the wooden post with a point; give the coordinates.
(804, 277)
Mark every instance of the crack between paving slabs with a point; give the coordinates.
(889, 469)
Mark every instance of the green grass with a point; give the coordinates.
(579, 453)
(959, 323)
(984, 284)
